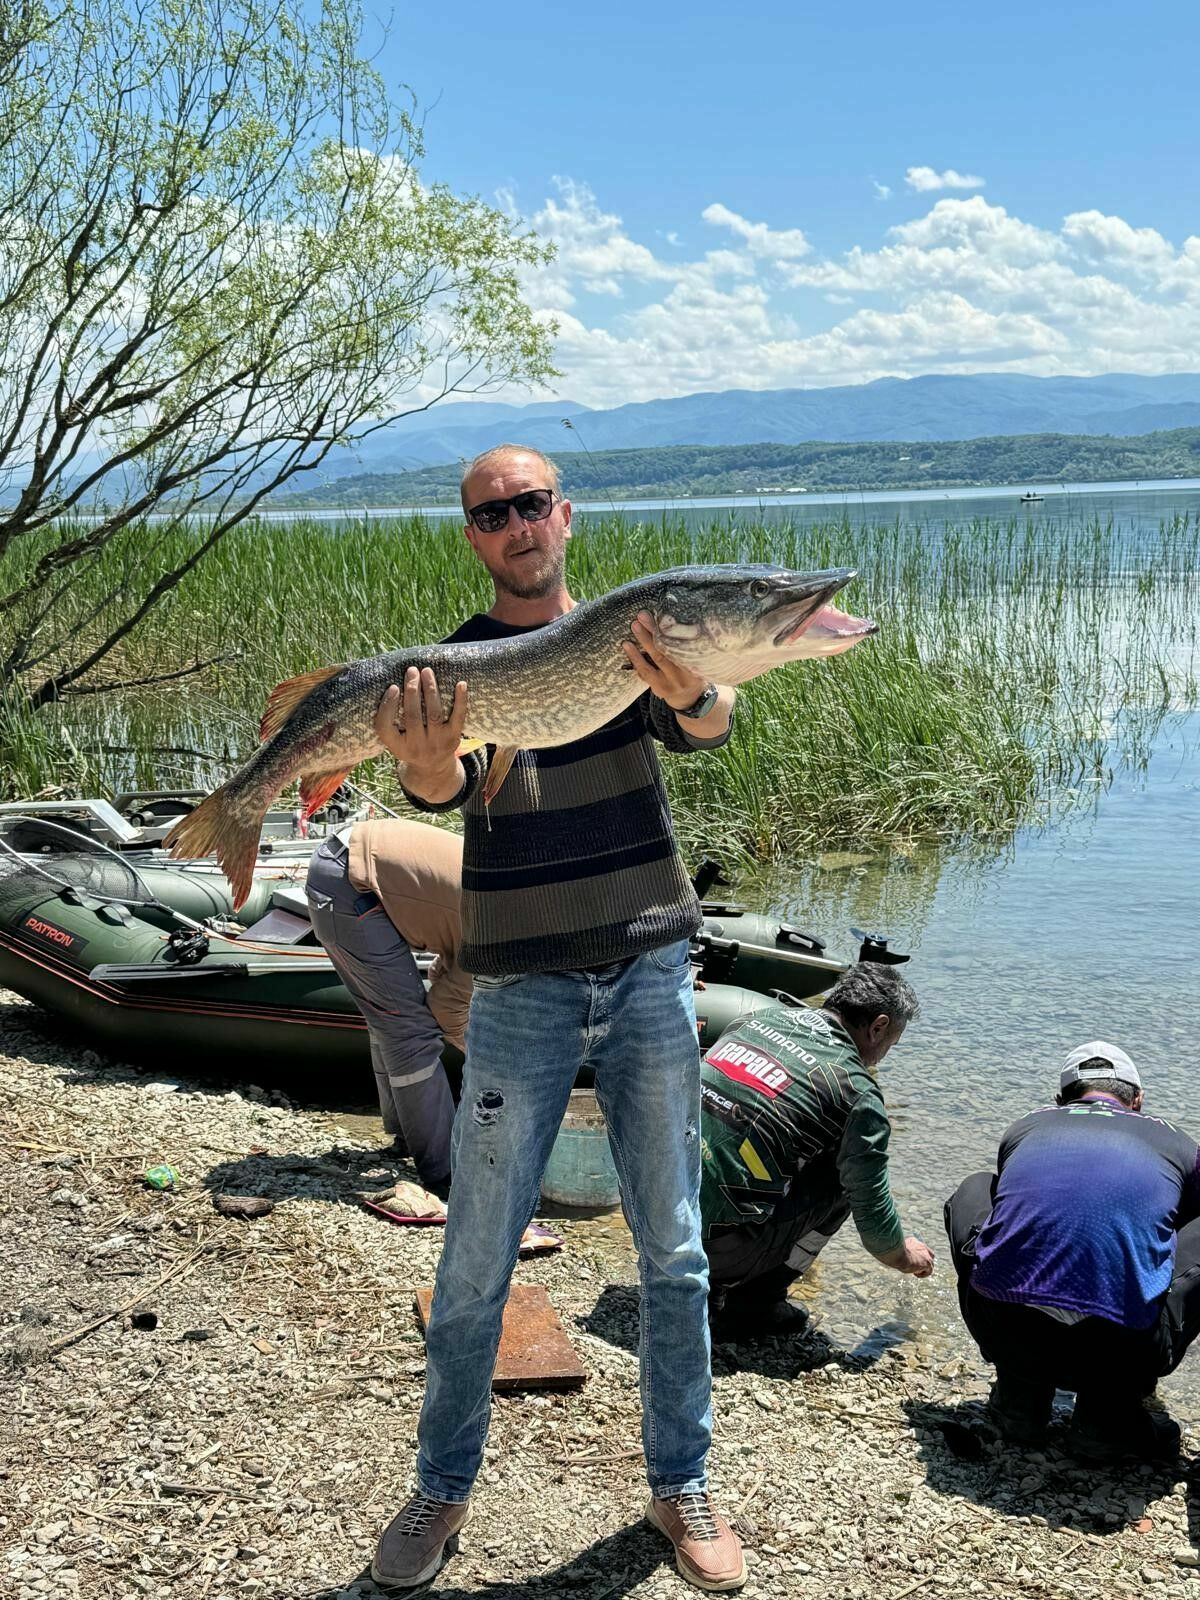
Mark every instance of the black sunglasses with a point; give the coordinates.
(532, 505)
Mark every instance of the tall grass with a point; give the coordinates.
(1011, 666)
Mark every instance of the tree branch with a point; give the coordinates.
(145, 683)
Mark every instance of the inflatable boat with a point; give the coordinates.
(148, 960)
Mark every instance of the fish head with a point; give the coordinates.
(732, 623)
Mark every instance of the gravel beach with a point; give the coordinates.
(253, 1439)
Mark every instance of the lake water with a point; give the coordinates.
(1082, 930)
(1136, 504)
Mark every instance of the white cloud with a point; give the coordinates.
(1109, 239)
(882, 190)
(925, 179)
(594, 252)
(968, 286)
(977, 225)
(761, 240)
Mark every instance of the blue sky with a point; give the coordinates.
(716, 182)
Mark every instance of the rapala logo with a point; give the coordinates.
(744, 1065)
(51, 934)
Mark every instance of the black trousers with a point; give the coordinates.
(759, 1261)
(1025, 1344)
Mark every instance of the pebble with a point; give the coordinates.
(243, 1205)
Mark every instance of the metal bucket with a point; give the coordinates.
(580, 1171)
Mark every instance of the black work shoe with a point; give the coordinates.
(757, 1319)
(416, 1542)
(1021, 1410)
(1102, 1431)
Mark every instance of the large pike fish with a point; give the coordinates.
(727, 623)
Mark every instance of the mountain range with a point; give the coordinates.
(986, 404)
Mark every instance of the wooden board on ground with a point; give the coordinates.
(535, 1352)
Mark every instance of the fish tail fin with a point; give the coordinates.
(286, 696)
(226, 825)
(317, 787)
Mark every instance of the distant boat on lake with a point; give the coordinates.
(1032, 499)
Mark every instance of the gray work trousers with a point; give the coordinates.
(761, 1259)
(375, 962)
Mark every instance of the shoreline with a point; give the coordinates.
(914, 493)
(254, 1442)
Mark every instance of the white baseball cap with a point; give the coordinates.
(1116, 1065)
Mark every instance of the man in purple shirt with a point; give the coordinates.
(1078, 1261)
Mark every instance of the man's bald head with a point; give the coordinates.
(502, 455)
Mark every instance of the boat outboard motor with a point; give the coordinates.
(874, 947)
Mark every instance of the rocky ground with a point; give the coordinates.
(253, 1441)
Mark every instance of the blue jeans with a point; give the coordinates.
(528, 1035)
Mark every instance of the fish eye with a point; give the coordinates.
(760, 588)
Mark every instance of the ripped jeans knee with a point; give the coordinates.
(489, 1103)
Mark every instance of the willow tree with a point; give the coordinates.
(218, 260)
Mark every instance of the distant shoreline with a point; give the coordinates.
(916, 494)
(691, 473)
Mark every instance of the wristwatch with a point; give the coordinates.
(701, 707)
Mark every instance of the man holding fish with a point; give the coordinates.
(577, 912)
(539, 720)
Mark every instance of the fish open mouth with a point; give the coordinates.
(837, 630)
(800, 614)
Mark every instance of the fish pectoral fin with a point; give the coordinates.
(317, 787)
(468, 745)
(286, 696)
(498, 769)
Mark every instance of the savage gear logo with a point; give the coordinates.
(49, 933)
(751, 1067)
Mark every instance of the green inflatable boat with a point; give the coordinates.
(148, 961)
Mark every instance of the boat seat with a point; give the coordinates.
(291, 897)
(278, 927)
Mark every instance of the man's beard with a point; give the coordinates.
(538, 585)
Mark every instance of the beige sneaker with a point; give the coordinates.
(416, 1542)
(707, 1551)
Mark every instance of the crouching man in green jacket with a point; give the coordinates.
(794, 1139)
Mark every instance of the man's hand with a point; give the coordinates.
(911, 1257)
(426, 746)
(679, 686)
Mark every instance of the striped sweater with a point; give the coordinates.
(576, 867)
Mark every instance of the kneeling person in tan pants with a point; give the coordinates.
(377, 891)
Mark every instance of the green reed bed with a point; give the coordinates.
(1014, 664)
